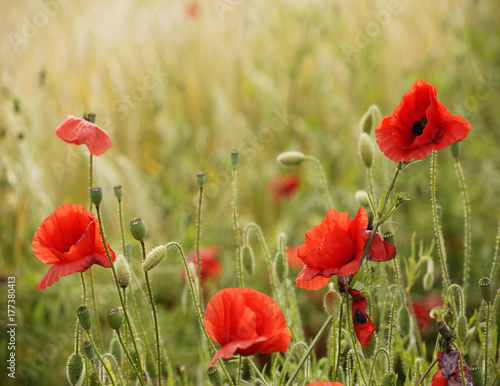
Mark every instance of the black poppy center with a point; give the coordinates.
(66, 249)
(419, 126)
(359, 317)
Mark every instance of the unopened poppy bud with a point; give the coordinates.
(90, 117)
(291, 158)
(122, 272)
(74, 368)
(366, 122)
(88, 349)
(96, 195)
(361, 197)
(248, 259)
(462, 327)
(115, 348)
(200, 179)
(118, 190)
(235, 156)
(366, 149)
(369, 349)
(389, 236)
(477, 375)
(332, 302)
(138, 228)
(84, 317)
(449, 317)
(428, 281)
(215, 376)
(444, 330)
(115, 318)
(389, 379)
(485, 287)
(404, 320)
(154, 257)
(280, 267)
(455, 149)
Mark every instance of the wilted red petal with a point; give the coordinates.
(363, 331)
(380, 250)
(79, 131)
(245, 321)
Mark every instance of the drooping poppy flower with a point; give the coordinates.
(79, 131)
(70, 240)
(422, 309)
(419, 125)
(449, 373)
(363, 326)
(325, 383)
(245, 321)
(210, 267)
(284, 187)
(335, 247)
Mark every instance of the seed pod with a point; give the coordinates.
(138, 228)
(74, 368)
(201, 179)
(154, 257)
(215, 376)
(291, 158)
(248, 259)
(462, 327)
(96, 195)
(477, 375)
(118, 190)
(115, 318)
(332, 302)
(88, 349)
(84, 317)
(485, 287)
(235, 156)
(366, 149)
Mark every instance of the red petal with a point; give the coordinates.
(363, 331)
(380, 250)
(311, 279)
(438, 379)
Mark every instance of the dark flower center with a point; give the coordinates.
(359, 317)
(419, 126)
(66, 249)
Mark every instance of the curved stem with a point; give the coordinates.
(139, 375)
(100, 358)
(460, 293)
(283, 371)
(198, 236)
(374, 362)
(322, 178)
(112, 359)
(426, 372)
(235, 225)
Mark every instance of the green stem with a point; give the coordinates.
(138, 372)
(322, 178)
(84, 288)
(94, 304)
(77, 335)
(354, 341)
(339, 340)
(486, 344)
(496, 258)
(91, 179)
(198, 237)
(236, 229)
(89, 336)
(369, 172)
(122, 230)
(426, 372)
(240, 361)
(461, 295)
(112, 359)
(461, 363)
(292, 351)
(374, 362)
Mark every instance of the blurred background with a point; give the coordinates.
(179, 84)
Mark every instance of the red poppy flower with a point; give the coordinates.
(325, 383)
(79, 131)
(449, 372)
(70, 240)
(419, 125)
(245, 321)
(335, 248)
(210, 267)
(284, 187)
(363, 326)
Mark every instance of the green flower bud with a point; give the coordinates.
(234, 157)
(332, 302)
(361, 197)
(201, 179)
(477, 375)
(215, 376)
(74, 368)
(366, 122)
(89, 117)
(88, 349)
(118, 190)
(404, 320)
(485, 287)
(138, 229)
(122, 272)
(154, 257)
(115, 348)
(84, 317)
(428, 281)
(96, 195)
(389, 379)
(291, 158)
(455, 149)
(280, 266)
(248, 259)
(444, 330)
(115, 318)
(369, 349)
(366, 149)
(462, 327)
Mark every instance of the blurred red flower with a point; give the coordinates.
(422, 309)
(283, 187)
(449, 372)
(335, 247)
(70, 240)
(325, 383)
(363, 326)
(245, 321)
(419, 125)
(79, 131)
(193, 9)
(210, 267)
(292, 257)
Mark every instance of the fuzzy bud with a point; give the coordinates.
(248, 259)
(428, 281)
(477, 375)
(74, 368)
(455, 149)
(84, 317)
(485, 287)
(115, 348)
(361, 197)
(462, 327)
(444, 330)
(118, 190)
(332, 302)
(280, 266)
(366, 149)
(369, 349)
(215, 376)
(96, 195)
(122, 272)
(138, 228)
(88, 349)
(154, 257)
(201, 179)
(404, 320)
(235, 156)
(389, 379)
(366, 122)
(291, 158)
(115, 318)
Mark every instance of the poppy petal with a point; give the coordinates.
(311, 279)
(363, 326)
(380, 250)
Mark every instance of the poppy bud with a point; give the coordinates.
(449, 318)
(118, 190)
(89, 117)
(248, 259)
(428, 281)
(84, 317)
(366, 122)
(462, 327)
(455, 149)
(115, 318)
(88, 349)
(361, 198)
(404, 320)
(115, 348)
(389, 379)
(369, 349)
(74, 368)
(366, 150)
(477, 375)
(485, 287)
(96, 195)
(122, 272)
(200, 179)
(138, 228)
(154, 258)
(332, 302)
(234, 157)
(215, 376)
(280, 267)
(444, 330)
(291, 158)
